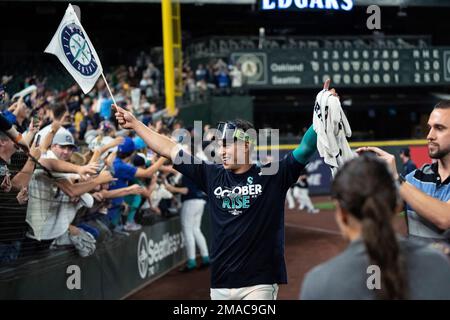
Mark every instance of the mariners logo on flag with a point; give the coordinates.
(73, 48)
(77, 50)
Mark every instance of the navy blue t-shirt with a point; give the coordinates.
(408, 167)
(247, 221)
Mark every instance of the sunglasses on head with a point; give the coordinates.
(229, 132)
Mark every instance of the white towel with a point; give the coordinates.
(333, 129)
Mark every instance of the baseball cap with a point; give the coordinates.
(139, 143)
(127, 146)
(138, 161)
(64, 138)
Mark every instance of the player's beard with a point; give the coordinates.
(437, 152)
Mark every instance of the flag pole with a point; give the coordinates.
(107, 86)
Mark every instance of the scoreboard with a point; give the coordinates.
(345, 67)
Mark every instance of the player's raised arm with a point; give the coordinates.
(155, 141)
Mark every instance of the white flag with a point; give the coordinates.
(73, 48)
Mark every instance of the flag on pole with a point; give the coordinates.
(73, 48)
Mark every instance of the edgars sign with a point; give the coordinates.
(345, 5)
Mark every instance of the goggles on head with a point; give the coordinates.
(227, 131)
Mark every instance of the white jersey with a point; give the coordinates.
(333, 129)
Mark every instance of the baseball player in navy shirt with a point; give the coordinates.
(246, 207)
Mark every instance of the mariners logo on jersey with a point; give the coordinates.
(77, 51)
(236, 198)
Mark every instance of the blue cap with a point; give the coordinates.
(127, 146)
(139, 143)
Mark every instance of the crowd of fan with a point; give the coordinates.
(103, 181)
(216, 77)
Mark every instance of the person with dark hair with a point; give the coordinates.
(408, 165)
(10, 141)
(11, 228)
(58, 114)
(246, 206)
(9, 131)
(18, 114)
(58, 110)
(22, 178)
(366, 200)
(427, 190)
(90, 118)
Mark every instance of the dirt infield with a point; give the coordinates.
(310, 240)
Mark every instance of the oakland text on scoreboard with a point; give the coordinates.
(267, 5)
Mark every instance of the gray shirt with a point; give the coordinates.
(345, 276)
